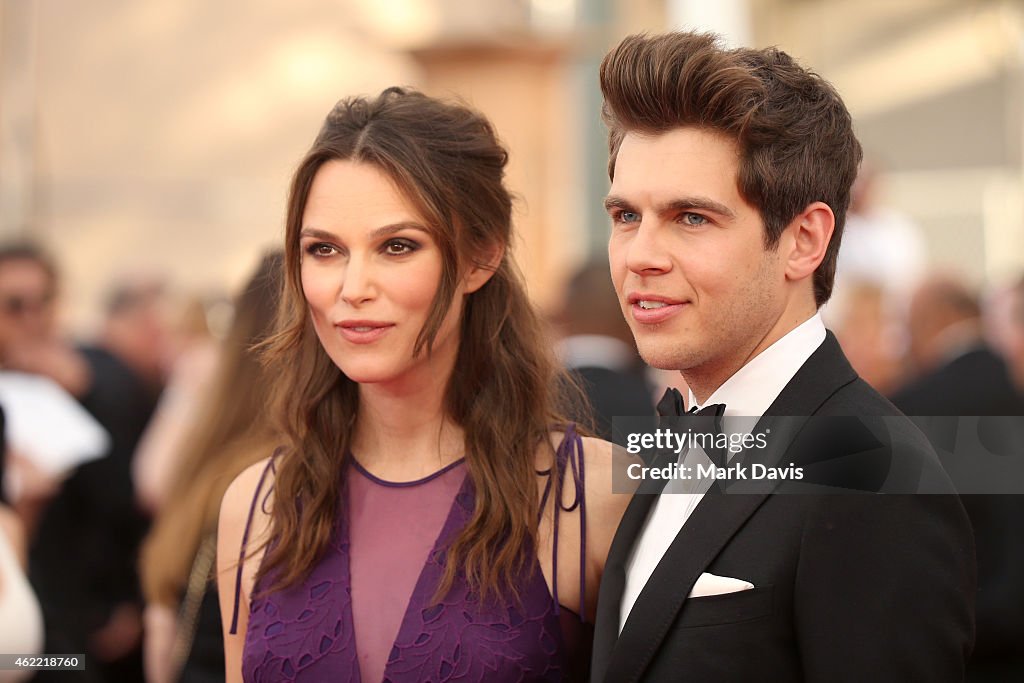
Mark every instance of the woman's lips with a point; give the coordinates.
(363, 332)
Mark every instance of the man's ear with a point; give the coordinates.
(810, 234)
(482, 270)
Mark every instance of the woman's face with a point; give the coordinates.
(370, 271)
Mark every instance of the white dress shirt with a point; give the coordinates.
(747, 394)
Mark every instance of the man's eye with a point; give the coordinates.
(626, 217)
(694, 219)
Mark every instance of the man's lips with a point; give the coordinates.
(363, 331)
(651, 309)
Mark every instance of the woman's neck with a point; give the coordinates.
(403, 433)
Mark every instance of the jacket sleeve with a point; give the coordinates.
(885, 589)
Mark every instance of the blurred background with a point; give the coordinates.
(145, 154)
(160, 135)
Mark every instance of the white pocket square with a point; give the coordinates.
(712, 584)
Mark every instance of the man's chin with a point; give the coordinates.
(664, 359)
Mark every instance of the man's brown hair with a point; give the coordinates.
(793, 132)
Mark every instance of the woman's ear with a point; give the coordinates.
(482, 270)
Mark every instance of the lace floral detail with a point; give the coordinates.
(305, 633)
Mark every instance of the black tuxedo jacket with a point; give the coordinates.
(846, 587)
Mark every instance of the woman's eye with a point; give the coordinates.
(319, 249)
(399, 247)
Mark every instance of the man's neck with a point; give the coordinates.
(704, 380)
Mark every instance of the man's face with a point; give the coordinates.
(687, 256)
(27, 307)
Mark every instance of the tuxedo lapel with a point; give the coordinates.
(824, 373)
(708, 530)
(613, 580)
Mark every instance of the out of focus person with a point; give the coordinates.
(880, 245)
(598, 349)
(1014, 342)
(28, 319)
(136, 328)
(997, 317)
(82, 558)
(956, 373)
(21, 621)
(32, 357)
(959, 375)
(865, 333)
(883, 250)
(194, 363)
(183, 623)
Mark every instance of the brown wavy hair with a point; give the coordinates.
(230, 435)
(794, 134)
(506, 386)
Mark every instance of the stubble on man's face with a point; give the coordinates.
(684, 237)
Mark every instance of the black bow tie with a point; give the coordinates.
(671, 404)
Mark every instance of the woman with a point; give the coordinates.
(414, 525)
(182, 638)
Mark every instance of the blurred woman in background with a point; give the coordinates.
(183, 635)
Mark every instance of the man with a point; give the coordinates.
(29, 341)
(959, 374)
(731, 174)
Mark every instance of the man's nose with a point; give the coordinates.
(646, 254)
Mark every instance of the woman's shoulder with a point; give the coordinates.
(599, 463)
(237, 503)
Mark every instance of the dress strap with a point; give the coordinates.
(245, 539)
(569, 457)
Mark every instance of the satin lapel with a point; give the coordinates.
(613, 580)
(824, 373)
(713, 523)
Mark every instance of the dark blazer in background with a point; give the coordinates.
(848, 587)
(613, 392)
(978, 383)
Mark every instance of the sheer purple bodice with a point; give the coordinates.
(366, 610)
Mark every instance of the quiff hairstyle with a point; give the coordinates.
(793, 132)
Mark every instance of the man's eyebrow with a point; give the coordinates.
(613, 202)
(681, 204)
(702, 203)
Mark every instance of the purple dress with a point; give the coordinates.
(366, 610)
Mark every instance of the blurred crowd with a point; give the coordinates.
(117, 452)
(118, 449)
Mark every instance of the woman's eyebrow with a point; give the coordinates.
(383, 231)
